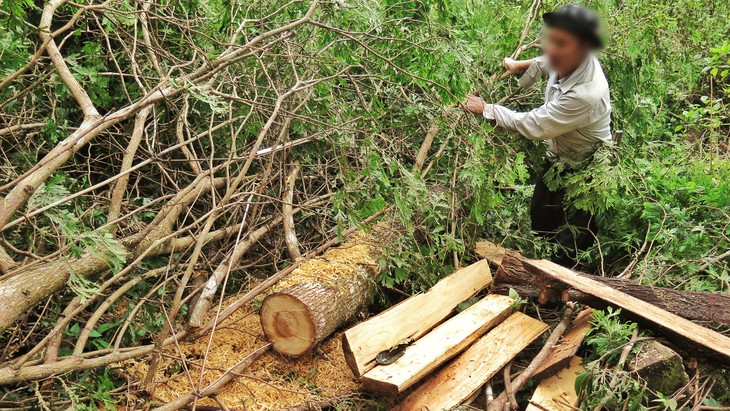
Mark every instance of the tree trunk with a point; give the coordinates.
(692, 305)
(324, 293)
(692, 335)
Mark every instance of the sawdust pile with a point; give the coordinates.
(272, 382)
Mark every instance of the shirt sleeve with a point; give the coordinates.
(566, 113)
(538, 69)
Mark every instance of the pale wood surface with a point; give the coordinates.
(564, 352)
(438, 346)
(671, 323)
(413, 317)
(557, 393)
(468, 372)
(492, 252)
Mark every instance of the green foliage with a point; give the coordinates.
(608, 334)
(602, 383)
(518, 301)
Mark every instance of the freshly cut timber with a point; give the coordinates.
(692, 305)
(671, 323)
(468, 372)
(557, 393)
(441, 344)
(412, 318)
(490, 251)
(324, 293)
(564, 352)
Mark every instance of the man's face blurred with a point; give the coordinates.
(564, 50)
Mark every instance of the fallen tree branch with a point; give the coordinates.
(216, 385)
(502, 400)
(200, 309)
(290, 234)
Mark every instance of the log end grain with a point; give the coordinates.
(288, 324)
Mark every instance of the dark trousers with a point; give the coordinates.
(573, 229)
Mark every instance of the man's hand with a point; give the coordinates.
(511, 67)
(474, 104)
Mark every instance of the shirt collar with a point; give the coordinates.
(567, 83)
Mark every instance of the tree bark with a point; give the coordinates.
(324, 293)
(22, 291)
(692, 305)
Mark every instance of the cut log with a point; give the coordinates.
(671, 324)
(468, 372)
(438, 346)
(692, 305)
(324, 293)
(661, 368)
(412, 318)
(512, 274)
(557, 393)
(490, 251)
(563, 353)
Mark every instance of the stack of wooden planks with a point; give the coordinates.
(438, 358)
(472, 346)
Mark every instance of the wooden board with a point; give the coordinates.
(490, 251)
(567, 347)
(557, 393)
(670, 323)
(438, 346)
(468, 372)
(411, 318)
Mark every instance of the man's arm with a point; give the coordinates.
(534, 69)
(550, 120)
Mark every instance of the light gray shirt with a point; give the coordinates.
(575, 119)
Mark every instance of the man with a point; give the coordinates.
(574, 121)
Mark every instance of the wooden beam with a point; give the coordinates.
(412, 318)
(672, 324)
(557, 393)
(563, 353)
(438, 346)
(467, 373)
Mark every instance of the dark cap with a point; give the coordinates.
(578, 20)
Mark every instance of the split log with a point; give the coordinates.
(324, 293)
(672, 324)
(692, 305)
(438, 346)
(557, 393)
(564, 352)
(412, 318)
(472, 369)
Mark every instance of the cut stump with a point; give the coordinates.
(661, 368)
